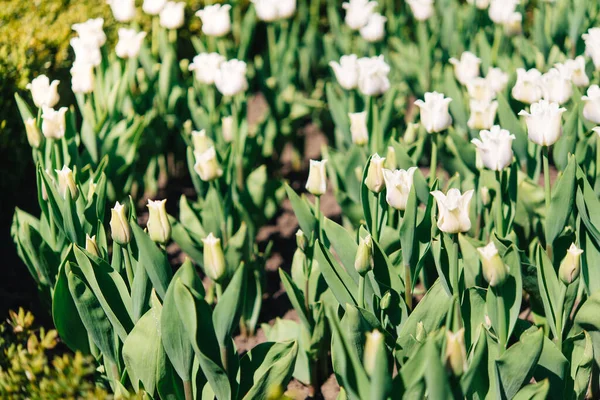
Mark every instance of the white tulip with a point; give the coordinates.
(91, 30)
(591, 109)
(480, 4)
(34, 136)
(374, 180)
(467, 67)
(493, 267)
(374, 30)
(316, 183)
(527, 88)
(435, 116)
(480, 89)
(483, 114)
(576, 69)
(596, 130)
(215, 265)
(398, 184)
(346, 71)
(570, 266)
(119, 225)
(495, 148)
(130, 43)
(82, 78)
(592, 45)
(66, 183)
(227, 129)
(358, 13)
(201, 142)
(86, 51)
(172, 16)
(373, 76)
(153, 7)
(273, 10)
(513, 25)
(159, 227)
(215, 20)
(123, 10)
(44, 92)
(453, 210)
(557, 86)
(358, 128)
(230, 79)
(501, 10)
(207, 165)
(206, 66)
(497, 79)
(53, 122)
(422, 9)
(544, 122)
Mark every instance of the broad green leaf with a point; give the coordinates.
(154, 260)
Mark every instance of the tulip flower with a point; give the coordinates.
(373, 76)
(205, 67)
(316, 183)
(591, 109)
(592, 45)
(358, 13)
(123, 10)
(119, 225)
(358, 128)
(480, 4)
(44, 93)
(483, 114)
(374, 30)
(456, 353)
(467, 68)
(363, 261)
(495, 148)
(159, 227)
(82, 78)
(273, 10)
(91, 246)
(207, 165)
(66, 183)
(422, 9)
(556, 86)
(53, 122)
(527, 88)
(86, 51)
(91, 31)
(346, 71)
(230, 79)
(374, 180)
(390, 158)
(570, 267)
(153, 7)
(435, 116)
(201, 141)
(544, 122)
(374, 351)
(215, 266)
(500, 11)
(398, 184)
(300, 240)
(215, 20)
(576, 69)
(494, 269)
(513, 25)
(227, 129)
(34, 137)
(497, 79)
(480, 89)
(130, 43)
(172, 16)
(453, 210)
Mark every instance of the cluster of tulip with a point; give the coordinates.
(474, 282)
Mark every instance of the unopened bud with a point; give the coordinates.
(214, 259)
(358, 172)
(456, 354)
(494, 269)
(374, 180)
(201, 141)
(421, 333)
(159, 227)
(91, 246)
(390, 159)
(207, 165)
(374, 351)
(119, 225)
(227, 129)
(363, 262)
(569, 267)
(316, 183)
(358, 128)
(66, 183)
(300, 240)
(386, 300)
(485, 195)
(34, 136)
(410, 135)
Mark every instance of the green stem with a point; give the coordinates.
(128, 267)
(155, 31)
(318, 216)
(361, 291)
(499, 205)
(57, 153)
(375, 222)
(498, 35)
(502, 328)
(597, 180)
(272, 46)
(187, 389)
(224, 358)
(559, 316)
(547, 191)
(454, 273)
(408, 287)
(219, 290)
(433, 164)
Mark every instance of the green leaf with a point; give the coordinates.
(227, 311)
(508, 120)
(550, 288)
(296, 297)
(306, 219)
(561, 204)
(154, 260)
(341, 284)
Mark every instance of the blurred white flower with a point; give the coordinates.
(53, 122)
(130, 43)
(346, 71)
(44, 92)
(316, 183)
(66, 183)
(480, 89)
(544, 122)
(82, 78)
(215, 20)
(483, 114)
(374, 180)
(513, 25)
(373, 76)
(576, 68)
(91, 30)
(159, 227)
(527, 88)
(501, 10)
(493, 267)
(358, 13)
(153, 7)
(227, 128)
(467, 67)
(34, 136)
(592, 45)
(358, 128)
(123, 10)
(481, 4)
(398, 184)
(435, 116)
(172, 16)
(453, 210)
(591, 109)
(207, 165)
(230, 79)
(86, 51)
(422, 9)
(497, 79)
(206, 66)
(495, 148)
(557, 86)
(374, 30)
(273, 10)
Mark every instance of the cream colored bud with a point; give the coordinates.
(363, 261)
(544, 122)
(569, 267)
(119, 225)
(159, 227)
(358, 128)
(214, 259)
(421, 333)
(390, 158)
(34, 136)
(317, 178)
(91, 246)
(435, 116)
(374, 352)
(201, 141)
(227, 129)
(398, 184)
(412, 130)
(66, 183)
(494, 269)
(485, 195)
(375, 180)
(456, 353)
(300, 239)
(207, 165)
(386, 301)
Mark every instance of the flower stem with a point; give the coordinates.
(128, 267)
(272, 47)
(187, 389)
(375, 221)
(499, 204)
(502, 329)
(318, 216)
(559, 316)
(219, 290)
(454, 273)
(408, 287)
(361, 291)
(547, 190)
(433, 164)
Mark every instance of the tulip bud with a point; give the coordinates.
(82, 78)
(44, 93)
(374, 30)
(227, 129)
(317, 178)
(373, 76)
(480, 89)
(501, 10)
(91, 246)
(172, 16)
(453, 210)
(527, 88)
(153, 7)
(358, 13)
(363, 262)
(214, 259)
(421, 333)
(434, 112)
(410, 135)
(456, 353)
(201, 141)
(591, 109)
(358, 128)
(34, 137)
(374, 352)
(53, 122)
(273, 10)
(230, 79)
(346, 71)
(495, 148)
(300, 240)
(576, 69)
(386, 301)
(422, 9)
(544, 122)
(66, 183)
(215, 20)
(207, 165)
(130, 43)
(159, 227)
(556, 85)
(485, 196)
(497, 79)
(398, 184)
(592, 45)
(467, 68)
(569, 266)
(390, 158)
(375, 180)
(513, 26)
(119, 225)
(123, 10)
(91, 30)
(494, 269)
(205, 67)
(483, 114)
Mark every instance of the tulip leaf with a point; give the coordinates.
(436, 376)
(550, 288)
(344, 245)
(534, 391)
(306, 219)
(338, 280)
(561, 204)
(228, 309)
(296, 297)
(154, 260)
(508, 120)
